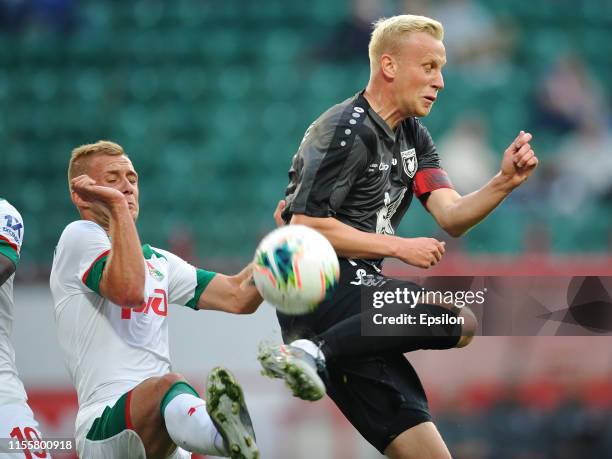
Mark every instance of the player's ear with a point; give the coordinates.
(388, 66)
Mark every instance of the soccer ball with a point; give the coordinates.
(294, 269)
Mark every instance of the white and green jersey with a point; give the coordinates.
(110, 349)
(11, 237)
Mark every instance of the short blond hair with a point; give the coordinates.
(387, 32)
(81, 156)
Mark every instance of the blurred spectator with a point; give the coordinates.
(181, 242)
(576, 432)
(418, 7)
(475, 43)
(466, 155)
(511, 430)
(15, 15)
(349, 42)
(568, 97)
(583, 168)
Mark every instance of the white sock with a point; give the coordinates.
(309, 347)
(191, 428)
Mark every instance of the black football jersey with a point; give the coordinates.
(353, 167)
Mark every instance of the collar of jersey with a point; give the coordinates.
(361, 100)
(148, 252)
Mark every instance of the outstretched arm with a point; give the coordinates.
(456, 214)
(352, 243)
(235, 294)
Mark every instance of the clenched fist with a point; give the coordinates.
(422, 252)
(519, 160)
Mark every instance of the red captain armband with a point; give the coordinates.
(428, 180)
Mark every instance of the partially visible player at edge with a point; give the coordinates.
(353, 179)
(111, 296)
(17, 421)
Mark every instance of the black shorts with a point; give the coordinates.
(381, 395)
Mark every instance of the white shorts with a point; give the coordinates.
(125, 445)
(17, 425)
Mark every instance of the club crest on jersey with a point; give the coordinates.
(409, 161)
(154, 272)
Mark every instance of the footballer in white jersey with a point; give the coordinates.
(112, 296)
(110, 349)
(17, 423)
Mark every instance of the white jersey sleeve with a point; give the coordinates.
(11, 231)
(186, 282)
(80, 257)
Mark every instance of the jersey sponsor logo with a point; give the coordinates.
(368, 280)
(156, 303)
(409, 161)
(13, 227)
(387, 211)
(154, 272)
(380, 167)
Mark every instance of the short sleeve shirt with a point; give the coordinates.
(109, 348)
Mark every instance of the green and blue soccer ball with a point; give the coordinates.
(295, 268)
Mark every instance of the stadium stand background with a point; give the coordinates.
(211, 99)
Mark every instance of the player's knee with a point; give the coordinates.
(468, 329)
(422, 441)
(146, 399)
(166, 381)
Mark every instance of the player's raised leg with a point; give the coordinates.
(228, 411)
(167, 411)
(301, 362)
(299, 368)
(163, 413)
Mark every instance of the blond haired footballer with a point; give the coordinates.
(353, 179)
(112, 296)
